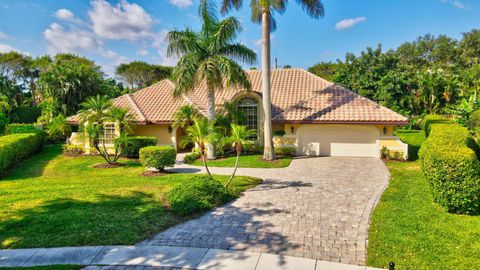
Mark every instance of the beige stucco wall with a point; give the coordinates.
(159, 131)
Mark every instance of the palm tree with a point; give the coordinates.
(94, 110)
(202, 132)
(239, 137)
(184, 116)
(209, 56)
(122, 119)
(262, 12)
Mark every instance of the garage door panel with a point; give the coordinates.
(339, 140)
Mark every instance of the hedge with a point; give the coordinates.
(452, 168)
(26, 114)
(22, 128)
(135, 143)
(431, 119)
(158, 157)
(16, 147)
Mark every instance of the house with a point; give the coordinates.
(319, 117)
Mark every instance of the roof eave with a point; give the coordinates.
(394, 123)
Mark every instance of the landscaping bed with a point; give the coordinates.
(54, 200)
(247, 161)
(413, 231)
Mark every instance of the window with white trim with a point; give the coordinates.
(248, 106)
(108, 135)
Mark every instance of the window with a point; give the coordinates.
(108, 134)
(248, 106)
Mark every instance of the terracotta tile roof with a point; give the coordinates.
(297, 97)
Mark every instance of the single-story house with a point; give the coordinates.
(319, 117)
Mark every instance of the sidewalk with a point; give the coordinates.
(164, 256)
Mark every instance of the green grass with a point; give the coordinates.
(51, 200)
(414, 139)
(48, 267)
(410, 229)
(247, 161)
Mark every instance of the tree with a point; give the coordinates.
(239, 137)
(141, 74)
(184, 116)
(325, 70)
(262, 12)
(201, 133)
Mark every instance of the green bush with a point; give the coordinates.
(15, 147)
(158, 157)
(69, 149)
(26, 115)
(201, 193)
(279, 133)
(190, 158)
(285, 150)
(22, 128)
(452, 168)
(474, 121)
(135, 143)
(3, 123)
(431, 119)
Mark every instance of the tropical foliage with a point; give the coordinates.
(140, 74)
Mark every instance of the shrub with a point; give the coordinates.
(73, 149)
(285, 150)
(279, 133)
(158, 157)
(3, 123)
(26, 114)
(135, 143)
(22, 128)
(474, 121)
(431, 119)
(16, 147)
(200, 193)
(252, 149)
(452, 168)
(384, 152)
(190, 158)
(58, 129)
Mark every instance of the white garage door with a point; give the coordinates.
(338, 140)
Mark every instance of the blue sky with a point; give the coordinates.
(115, 31)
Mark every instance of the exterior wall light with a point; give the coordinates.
(170, 129)
(385, 130)
(292, 129)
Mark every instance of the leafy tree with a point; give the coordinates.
(58, 128)
(201, 133)
(184, 116)
(141, 74)
(470, 47)
(324, 70)
(262, 12)
(239, 137)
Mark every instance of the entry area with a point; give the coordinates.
(338, 140)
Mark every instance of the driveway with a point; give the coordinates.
(316, 208)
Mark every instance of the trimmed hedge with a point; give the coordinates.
(158, 157)
(22, 128)
(26, 114)
(452, 168)
(198, 194)
(431, 119)
(16, 147)
(285, 150)
(135, 143)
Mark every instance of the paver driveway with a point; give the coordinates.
(316, 208)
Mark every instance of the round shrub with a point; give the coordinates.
(474, 121)
(158, 157)
(201, 193)
(135, 143)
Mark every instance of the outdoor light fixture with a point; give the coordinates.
(385, 130)
(292, 129)
(169, 129)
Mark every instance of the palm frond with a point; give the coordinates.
(228, 5)
(227, 31)
(182, 42)
(239, 52)
(313, 8)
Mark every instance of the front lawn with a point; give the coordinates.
(410, 229)
(51, 200)
(414, 139)
(247, 161)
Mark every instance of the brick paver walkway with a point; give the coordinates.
(316, 208)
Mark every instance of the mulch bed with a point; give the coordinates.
(107, 166)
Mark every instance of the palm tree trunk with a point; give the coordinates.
(205, 164)
(211, 117)
(234, 170)
(268, 153)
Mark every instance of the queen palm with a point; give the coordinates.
(262, 12)
(209, 56)
(239, 137)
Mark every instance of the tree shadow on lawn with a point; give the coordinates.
(109, 220)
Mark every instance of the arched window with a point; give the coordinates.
(248, 106)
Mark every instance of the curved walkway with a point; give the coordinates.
(316, 208)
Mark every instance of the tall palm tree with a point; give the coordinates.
(209, 56)
(202, 132)
(239, 137)
(94, 109)
(262, 12)
(184, 116)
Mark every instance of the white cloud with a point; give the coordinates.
(67, 15)
(4, 48)
(160, 44)
(181, 3)
(3, 35)
(349, 23)
(457, 4)
(258, 42)
(143, 52)
(122, 21)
